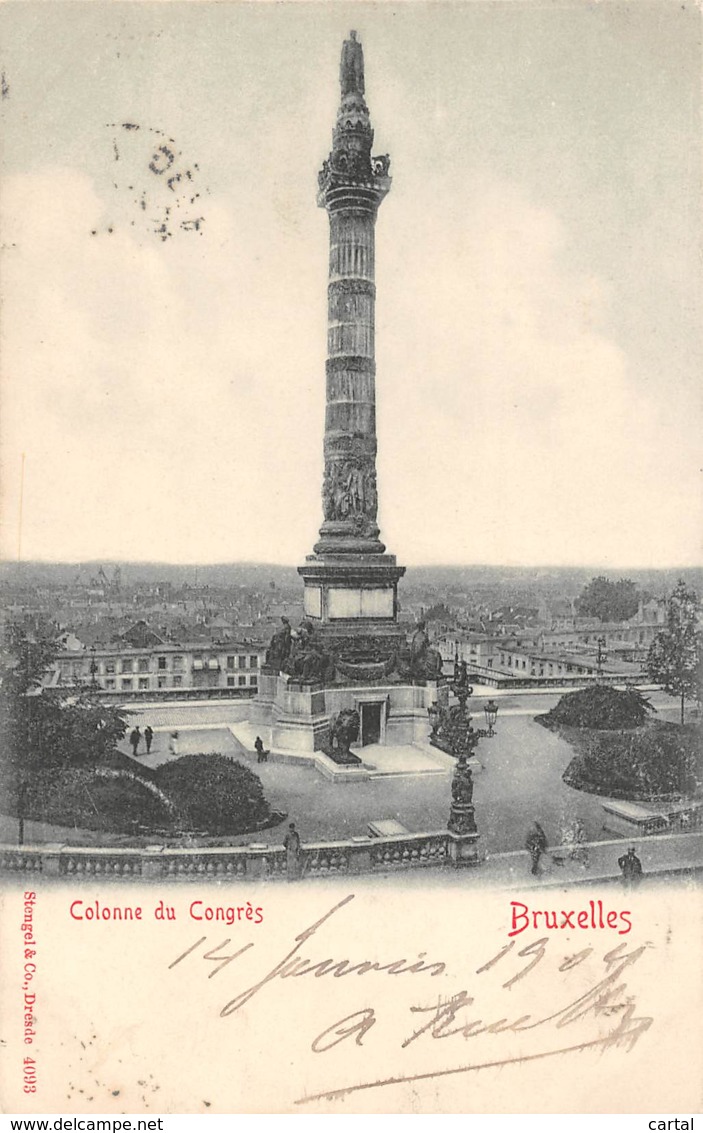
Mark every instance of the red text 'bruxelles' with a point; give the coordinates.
(593, 917)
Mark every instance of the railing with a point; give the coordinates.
(257, 861)
(398, 853)
(499, 678)
(193, 692)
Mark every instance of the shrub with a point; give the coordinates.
(81, 798)
(208, 794)
(661, 760)
(599, 707)
(215, 794)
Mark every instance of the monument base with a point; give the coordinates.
(351, 601)
(299, 715)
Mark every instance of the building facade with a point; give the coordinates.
(524, 661)
(162, 671)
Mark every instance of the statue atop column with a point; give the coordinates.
(351, 69)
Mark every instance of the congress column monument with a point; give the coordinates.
(347, 676)
(350, 583)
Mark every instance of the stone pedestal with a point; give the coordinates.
(256, 864)
(299, 720)
(463, 834)
(360, 858)
(152, 862)
(261, 707)
(464, 850)
(340, 772)
(51, 858)
(299, 715)
(352, 602)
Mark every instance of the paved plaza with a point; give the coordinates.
(521, 780)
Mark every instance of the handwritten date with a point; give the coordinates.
(603, 1005)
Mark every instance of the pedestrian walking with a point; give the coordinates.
(574, 840)
(134, 738)
(261, 753)
(631, 869)
(292, 845)
(536, 844)
(148, 737)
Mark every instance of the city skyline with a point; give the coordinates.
(538, 288)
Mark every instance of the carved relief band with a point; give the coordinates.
(349, 490)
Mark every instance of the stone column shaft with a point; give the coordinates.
(350, 583)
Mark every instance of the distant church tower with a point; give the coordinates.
(350, 584)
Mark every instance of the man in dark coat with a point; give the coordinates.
(292, 845)
(134, 738)
(536, 844)
(631, 869)
(261, 753)
(148, 736)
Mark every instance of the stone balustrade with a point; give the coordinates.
(257, 861)
(499, 678)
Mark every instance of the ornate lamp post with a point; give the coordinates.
(452, 732)
(491, 711)
(600, 657)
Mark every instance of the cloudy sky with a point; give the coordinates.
(538, 274)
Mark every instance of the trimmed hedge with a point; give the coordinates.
(654, 762)
(599, 706)
(81, 798)
(204, 794)
(215, 794)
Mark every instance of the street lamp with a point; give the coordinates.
(491, 711)
(93, 669)
(600, 656)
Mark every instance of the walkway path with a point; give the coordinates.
(666, 859)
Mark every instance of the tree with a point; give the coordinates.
(675, 658)
(609, 601)
(43, 728)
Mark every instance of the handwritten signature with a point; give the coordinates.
(606, 1000)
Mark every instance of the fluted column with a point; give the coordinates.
(352, 185)
(350, 583)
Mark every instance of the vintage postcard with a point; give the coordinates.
(352, 648)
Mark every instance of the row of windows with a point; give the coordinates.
(517, 662)
(141, 664)
(127, 665)
(127, 684)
